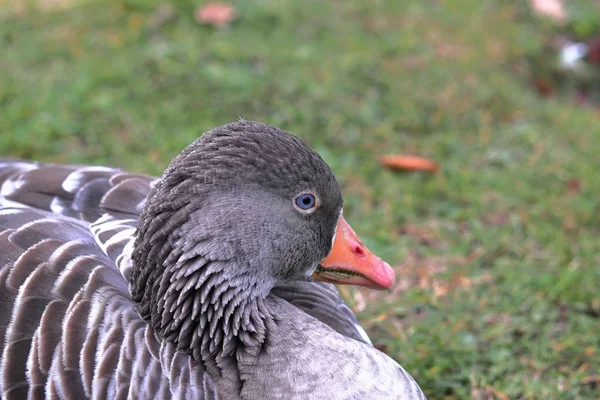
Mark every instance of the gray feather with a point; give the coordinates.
(69, 327)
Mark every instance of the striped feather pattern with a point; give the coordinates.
(68, 326)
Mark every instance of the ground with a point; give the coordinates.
(496, 255)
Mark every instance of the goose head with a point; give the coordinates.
(242, 209)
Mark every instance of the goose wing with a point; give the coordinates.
(68, 326)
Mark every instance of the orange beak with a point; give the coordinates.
(351, 263)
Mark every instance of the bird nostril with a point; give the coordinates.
(358, 250)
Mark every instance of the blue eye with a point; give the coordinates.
(306, 201)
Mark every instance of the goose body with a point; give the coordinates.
(197, 285)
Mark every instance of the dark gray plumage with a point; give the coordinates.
(212, 299)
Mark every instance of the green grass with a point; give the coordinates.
(497, 255)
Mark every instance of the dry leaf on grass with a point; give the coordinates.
(550, 8)
(20, 6)
(590, 379)
(574, 185)
(496, 218)
(543, 87)
(217, 14)
(409, 163)
(425, 235)
(425, 273)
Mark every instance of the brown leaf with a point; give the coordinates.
(425, 236)
(410, 163)
(594, 50)
(590, 379)
(543, 87)
(217, 14)
(574, 185)
(496, 218)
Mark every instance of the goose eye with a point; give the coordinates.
(306, 201)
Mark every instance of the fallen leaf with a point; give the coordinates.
(593, 45)
(217, 14)
(574, 185)
(543, 87)
(570, 222)
(590, 379)
(550, 8)
(589, 351)
(430, 273)
(20, 6)
(496, 218)
(425, 236)
(409, 163)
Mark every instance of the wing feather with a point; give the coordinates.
(68, 326)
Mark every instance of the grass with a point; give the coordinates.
(497, 255)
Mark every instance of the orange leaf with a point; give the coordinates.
(410, 163)
(217, 14)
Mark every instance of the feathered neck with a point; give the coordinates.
(210, 308)
(206, 304)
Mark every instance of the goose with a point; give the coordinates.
(214, 281)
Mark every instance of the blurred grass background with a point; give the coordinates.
(497, 256)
